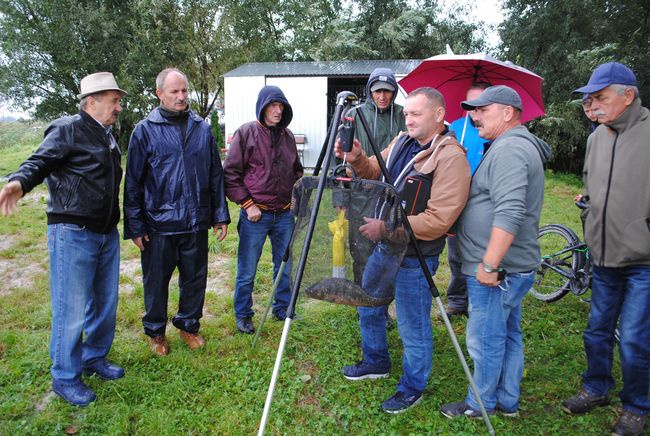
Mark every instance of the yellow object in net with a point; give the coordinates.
(339, 230)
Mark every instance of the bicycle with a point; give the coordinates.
(565, 266)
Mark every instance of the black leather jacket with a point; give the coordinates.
(81, 171)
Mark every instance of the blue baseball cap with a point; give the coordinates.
(611, 73)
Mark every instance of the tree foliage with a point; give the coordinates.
(563, 41)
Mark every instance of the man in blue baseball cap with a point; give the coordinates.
(617, 230)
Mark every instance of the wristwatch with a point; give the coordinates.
(489, 268)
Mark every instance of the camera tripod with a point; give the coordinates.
(344, 101)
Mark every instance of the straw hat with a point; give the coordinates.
(98, 82)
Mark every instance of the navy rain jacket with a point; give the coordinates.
(173, 184)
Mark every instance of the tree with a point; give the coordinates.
(564, 41)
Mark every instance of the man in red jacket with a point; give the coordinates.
(261, 167)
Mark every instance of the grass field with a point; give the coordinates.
(221, 388)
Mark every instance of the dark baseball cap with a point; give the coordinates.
(382, 84)
(494, 94)
(611, 73)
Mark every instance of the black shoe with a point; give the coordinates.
(583, 402)
(104, 370)
(400, 402)
(629, 424)
(245, 325)
(461, 408)
(363, 370)
(75, 392)
(282, 315)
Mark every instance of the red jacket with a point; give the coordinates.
(257, 169)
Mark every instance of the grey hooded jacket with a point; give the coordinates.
(507, 192)
(617, 180)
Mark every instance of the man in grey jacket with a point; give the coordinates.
(497, 237)
(617, 230)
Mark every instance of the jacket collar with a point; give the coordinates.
(156, 117)
(630, 117)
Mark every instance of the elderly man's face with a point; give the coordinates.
(105, 107)
(382, 98)
(492, 120)
(423, 118)
(273, 113)
(607, 104)
(173, 94)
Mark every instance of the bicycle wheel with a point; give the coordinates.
(560, 262)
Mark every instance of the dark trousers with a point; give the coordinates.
(162, 254)
(457, 289)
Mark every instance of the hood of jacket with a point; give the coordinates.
(385, 75)
(542, 147)
(272, 94)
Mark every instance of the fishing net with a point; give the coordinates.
(343, 266)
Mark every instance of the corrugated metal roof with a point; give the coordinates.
(325, 68)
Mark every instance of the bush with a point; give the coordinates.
(216, 130)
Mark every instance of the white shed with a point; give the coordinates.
(310, 87)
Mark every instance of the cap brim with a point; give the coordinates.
(470, 105)
(590, 89)
(386, 86)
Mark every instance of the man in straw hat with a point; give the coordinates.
(80, 162)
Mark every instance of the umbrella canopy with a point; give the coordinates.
(452, 75)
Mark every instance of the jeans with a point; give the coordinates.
(494, 340)
(84, 275)
(161, 255)
(457, 289)
(378, 280)
(278, 227)
(413, 303)
(620, 295)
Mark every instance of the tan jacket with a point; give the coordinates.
(449, 188)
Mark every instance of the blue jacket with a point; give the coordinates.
(174, 184)
(467, 136)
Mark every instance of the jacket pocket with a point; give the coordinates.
(71, 191)
(635, 243)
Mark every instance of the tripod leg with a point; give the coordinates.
(270, 302)
(274, 377)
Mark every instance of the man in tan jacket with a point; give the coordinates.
(430, 155)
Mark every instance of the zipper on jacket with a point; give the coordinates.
(609, 184)
(109, 216)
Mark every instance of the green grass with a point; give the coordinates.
(221, 389)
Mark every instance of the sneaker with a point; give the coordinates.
(506, 413)
(400, 402)
(629, 424)
(75, 392)
(363, 370)
(453, 410)
(245, 325)
(583, 402)
(104, 369)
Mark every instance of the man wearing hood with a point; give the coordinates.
(385, 118)
(173, 193)
(497, 237)
(617, 230)
(261, 167)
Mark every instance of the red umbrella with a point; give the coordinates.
(452, 75)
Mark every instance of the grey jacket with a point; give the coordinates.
(616, 175)
(507, 192)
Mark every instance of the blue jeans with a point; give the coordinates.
(413, 304)
(494, 340)
(278, 227)
(378, 280)
(84, 275)
(623, 295)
